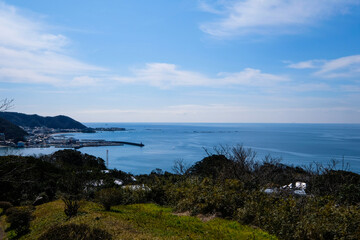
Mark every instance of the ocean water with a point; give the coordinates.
(296, 144)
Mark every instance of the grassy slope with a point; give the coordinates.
(141, 221)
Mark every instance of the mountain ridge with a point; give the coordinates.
(34, 120)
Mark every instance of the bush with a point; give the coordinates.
(208, 197)
(109, 197)
(75, 232)
(72, 206)
(132, 196)
(19, 219)
(5, 205)
(300, 218)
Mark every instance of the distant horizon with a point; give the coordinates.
(328, 123)
(174, 122)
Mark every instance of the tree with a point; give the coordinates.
(6, 104)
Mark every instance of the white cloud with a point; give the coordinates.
(239, 17)
(342, 67)
(29, 53)
(166, 75)
(20, 32)
(348, 66)
(307, 64)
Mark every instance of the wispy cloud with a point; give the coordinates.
(165, 75)
(240, 17)
(341, 67)
(29, 53)
(348, 66)
(307, 64)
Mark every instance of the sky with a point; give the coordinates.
(252, 61)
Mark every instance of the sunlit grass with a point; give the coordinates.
(140, 221)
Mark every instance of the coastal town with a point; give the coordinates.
(44, 137)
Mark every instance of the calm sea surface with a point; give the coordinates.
(297, 144)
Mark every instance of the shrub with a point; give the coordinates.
(109, 197)
(300, 218)
(327, 220)
(208, 197)
(19, 219)
(75, 232)
(132, 196)
(72, 206)
(5, 205)
(345, 186)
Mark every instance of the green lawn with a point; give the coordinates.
(141, 221)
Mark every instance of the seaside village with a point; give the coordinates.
(41, 137)
(44, 137)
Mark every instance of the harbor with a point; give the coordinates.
(77, 144)
(41, 137)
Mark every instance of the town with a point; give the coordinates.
(44, 137)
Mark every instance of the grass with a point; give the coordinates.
(141, 221)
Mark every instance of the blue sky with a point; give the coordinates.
(183, 61)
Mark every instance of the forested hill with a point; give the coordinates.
(11, 131)
(25, 120)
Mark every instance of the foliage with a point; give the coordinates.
(69, 158)
(343, 185)
(24, 178)
(19, 219)
(229, 183)
(75, 232)
(72, 206)
(141, 221)
(214, 166)
(132, 196)
(208, 197)
(109, 197)
(11, 131)
(5, 205)
(298, 218)
(68, 171)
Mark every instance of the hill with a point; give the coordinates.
(57, 122)
(11, 131)
(138, 221)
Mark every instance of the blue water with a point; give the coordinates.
(296, 144)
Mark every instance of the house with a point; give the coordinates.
(298, 189)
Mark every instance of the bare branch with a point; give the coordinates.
(180, 167)
(6, 104)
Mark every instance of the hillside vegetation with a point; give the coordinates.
(31, 121)
(139, 221)
(70, 187)
(11, 131)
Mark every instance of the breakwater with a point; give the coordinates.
(82, 144)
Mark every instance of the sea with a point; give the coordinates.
(165, 143)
